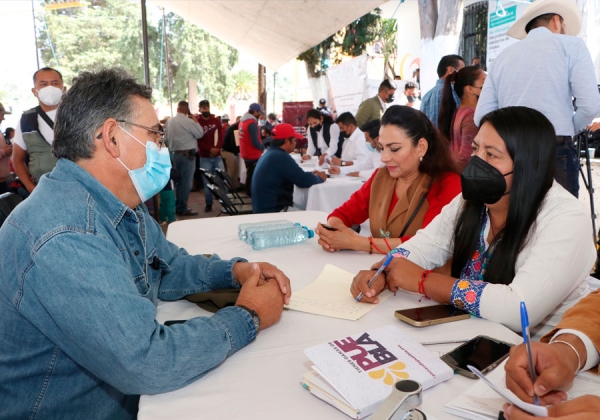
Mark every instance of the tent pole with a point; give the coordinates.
(145, 43)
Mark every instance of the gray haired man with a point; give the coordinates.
(83, 267)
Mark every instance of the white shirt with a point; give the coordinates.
(366, 167)
(551, 270)
(355, 148)
(544, 71)
(334, 132)
(403, 100)
(44, 128)
(593, 358)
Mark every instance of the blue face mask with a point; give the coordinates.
(154, 175)
(370, 148)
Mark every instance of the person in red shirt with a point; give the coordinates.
(418, 180)
(209, 146)
(251, 145)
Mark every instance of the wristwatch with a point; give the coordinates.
(343, 163)
(254, 316)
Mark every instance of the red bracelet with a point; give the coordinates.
(387, 243)
(375, 246)
(421, 288)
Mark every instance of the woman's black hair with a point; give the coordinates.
(531, 143)
(416, 125)
(461, 79)
(8, 132)
(315, 113)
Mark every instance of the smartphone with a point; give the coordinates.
(326, 226)
(431, 315)
(482, 352)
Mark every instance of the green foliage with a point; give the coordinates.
(108, 33)
(245, 85)
(351, 40)
(389, 43)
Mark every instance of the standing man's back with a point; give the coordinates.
(545, 71)
(431, 102)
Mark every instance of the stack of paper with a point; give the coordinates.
(480, 402)
(355, 374)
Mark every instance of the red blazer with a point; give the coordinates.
(356, 209)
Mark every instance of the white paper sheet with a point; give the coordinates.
(330, 295)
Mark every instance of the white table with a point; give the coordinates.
(263, 379)
(326, 196)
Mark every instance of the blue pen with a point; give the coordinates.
(387, 262)
(527, 340)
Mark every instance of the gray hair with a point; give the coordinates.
(93, 98)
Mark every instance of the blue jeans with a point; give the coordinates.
(185, 166)
(210, 164)
(567, 166)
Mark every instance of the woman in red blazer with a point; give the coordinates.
(418, 180)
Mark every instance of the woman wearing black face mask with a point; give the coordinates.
(514, 235)
(323, 136)
(457, 123)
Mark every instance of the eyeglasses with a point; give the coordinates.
(151, 131)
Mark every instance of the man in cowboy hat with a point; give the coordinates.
(545, 71)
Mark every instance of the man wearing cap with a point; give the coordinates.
(209, 146)
(373, 108)
(276, 173)
(34, 134)
(545, 71)
(5, 154)
(323, 108)
(182, 133)
(251, 146)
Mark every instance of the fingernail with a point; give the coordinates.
(541, 389)
(368, 294)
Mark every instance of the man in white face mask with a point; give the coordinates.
(35, 132)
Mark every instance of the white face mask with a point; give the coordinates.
(50, 95)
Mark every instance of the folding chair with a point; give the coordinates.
(229, 184)
(212, 179)
(227, 206)
(8, 202)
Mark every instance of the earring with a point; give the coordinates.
(421, 159)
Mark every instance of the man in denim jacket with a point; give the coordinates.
(83, 266)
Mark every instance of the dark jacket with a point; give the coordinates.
(273, 181)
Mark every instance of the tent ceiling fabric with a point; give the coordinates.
(273, 31)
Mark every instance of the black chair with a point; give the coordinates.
(212, 179)
(224, 176)
(227, 206)
(8, 202)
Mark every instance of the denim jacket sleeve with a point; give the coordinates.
(92, 309)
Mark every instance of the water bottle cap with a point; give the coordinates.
(311, 233)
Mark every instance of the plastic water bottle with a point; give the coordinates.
(280, 237)
(253, 229)
(258, 225)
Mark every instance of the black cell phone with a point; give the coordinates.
(431, 315)
(326, 226)
(482, 352)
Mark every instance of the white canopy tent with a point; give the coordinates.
(272, 31)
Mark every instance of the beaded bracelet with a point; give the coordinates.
(574, 349)
(375, 246)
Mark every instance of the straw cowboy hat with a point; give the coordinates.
(567, 9)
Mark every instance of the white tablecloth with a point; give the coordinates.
(263, 379)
